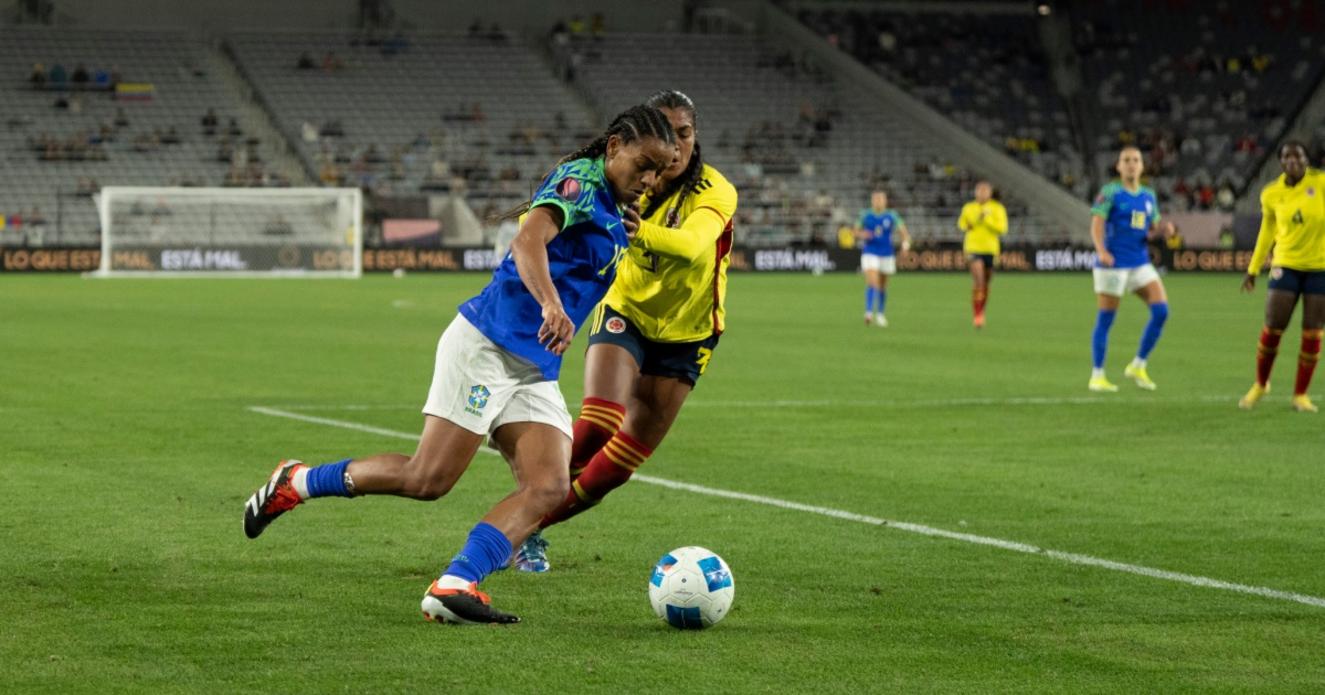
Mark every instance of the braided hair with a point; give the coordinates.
(635, 123)
(673, 99)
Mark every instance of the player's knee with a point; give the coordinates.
(544, 495)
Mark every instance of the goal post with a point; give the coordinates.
(230, 232)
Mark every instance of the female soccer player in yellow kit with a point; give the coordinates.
(1293, 222)
(984, 220)
(653, 336)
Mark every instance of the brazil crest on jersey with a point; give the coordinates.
(582, 260)
(880, 225)
(1128, 218)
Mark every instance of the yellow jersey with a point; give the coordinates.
(673, 281)
(1293, 222)
(983, 223)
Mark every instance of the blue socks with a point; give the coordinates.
(486, 550)
(1159, 313)
(870, 295)
(880, 298)
(1099, 340)
(328, 480)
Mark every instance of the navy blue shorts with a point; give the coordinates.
(1297, 281)
(987, 258)
(684, 361)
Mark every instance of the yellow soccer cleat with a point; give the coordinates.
(1302, 404)
(1253, 396)
(1138, 374)
(1099, 384)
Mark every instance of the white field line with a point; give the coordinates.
(848, 403)
(1072, 558)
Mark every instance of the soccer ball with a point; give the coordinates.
(691, 588)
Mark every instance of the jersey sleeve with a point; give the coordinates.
(998, 221)
(962, 222)
(860, 219)
(1265, 237)
(698, 232)
(1154, 201)
(570, 189)
(897, 219)
(1103, 202)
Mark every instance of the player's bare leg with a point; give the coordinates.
(538, 454)
(1279, 307)
(444, 452)
(1157, 301)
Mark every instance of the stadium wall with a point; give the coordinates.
(939, 258)
(421, 15)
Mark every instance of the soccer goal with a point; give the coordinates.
(230, 232)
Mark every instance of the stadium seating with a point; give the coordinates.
(1203, 88)
(56, 179)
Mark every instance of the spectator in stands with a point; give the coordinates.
(61, 102)
(121, 118)
(577, 27)
(331, 63)
(305, 61)
(38, 77)
(80, 76)
(209, 122)
(170, 136)
(87, 186)
(597, 26)
(58, 77)
(475, 29)
(101, 79)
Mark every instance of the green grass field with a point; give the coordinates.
(129, 449)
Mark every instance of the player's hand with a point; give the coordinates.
(906, 246)
(1249, 283)
(631, 219)
(1106, 259)
(557, 330)
(1167, 229)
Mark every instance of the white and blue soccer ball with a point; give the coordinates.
(691, 588)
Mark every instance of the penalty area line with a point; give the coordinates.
(921, 529)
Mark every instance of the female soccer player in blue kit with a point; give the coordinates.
(498, 362)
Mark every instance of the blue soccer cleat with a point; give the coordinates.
(532, 555)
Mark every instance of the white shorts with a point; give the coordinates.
(884, 264)
(481, 387)
(1119, 281)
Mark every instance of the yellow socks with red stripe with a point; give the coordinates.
(1306, 360)
(1266, 351)
(599, 420)
(608, 470)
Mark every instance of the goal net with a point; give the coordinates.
(173, 232)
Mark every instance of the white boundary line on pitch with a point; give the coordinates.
(847, 403)
(1072, 558)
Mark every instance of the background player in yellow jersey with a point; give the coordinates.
(654, 333)
(1293, 222)
(984, 220)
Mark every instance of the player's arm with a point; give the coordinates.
(963, 222)
(1097, 236)
(697, 234)
(1264, 240)
(529, 251)
(997, 219)
(694, 237)
(905, 234)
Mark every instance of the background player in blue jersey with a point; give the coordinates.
(875, 231)
(498, 361)
(1123, 218)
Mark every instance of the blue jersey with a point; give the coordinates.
(880, 225)
(582, 260)
(1128, 218)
